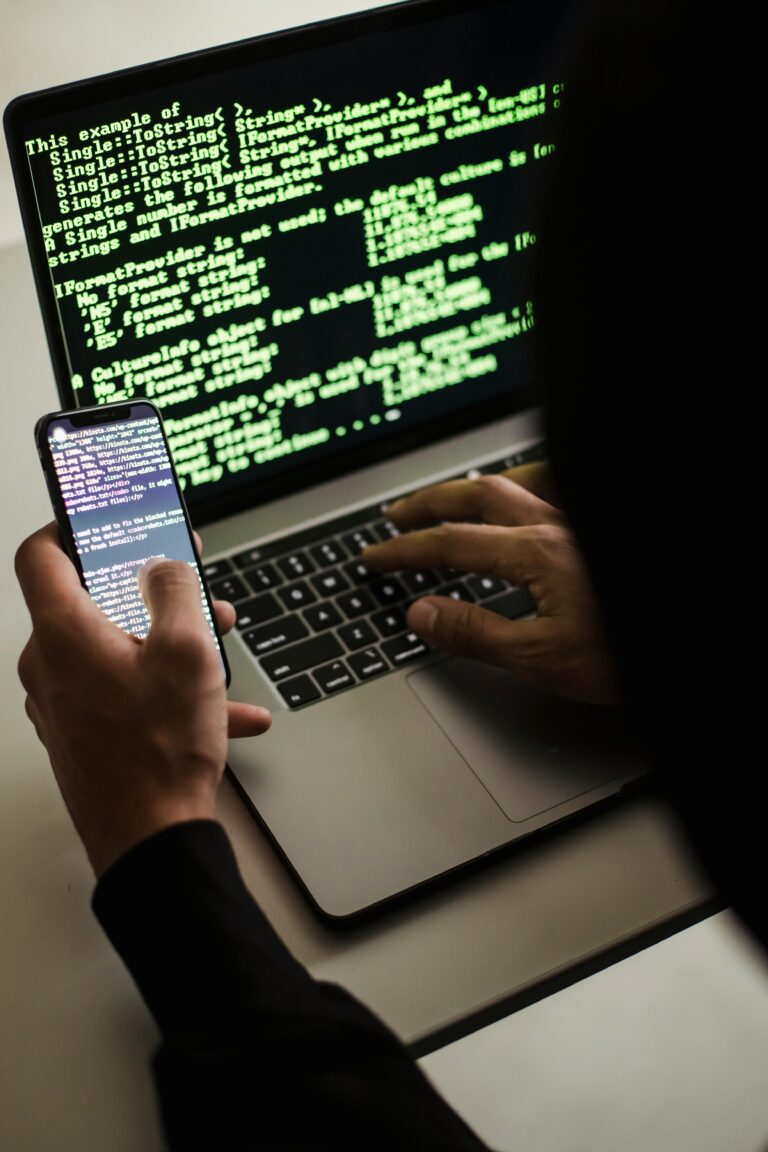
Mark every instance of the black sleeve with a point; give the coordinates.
(255, 1053)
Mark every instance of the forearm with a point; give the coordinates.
(249, 1037)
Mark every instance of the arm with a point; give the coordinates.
(254, 1053)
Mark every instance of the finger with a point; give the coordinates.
(481, 548)
(493, 499)
(467, 630)
(198, 543)
(48, 578)
(247, 720)
(225, 615)
(171, 591)
(537, 478)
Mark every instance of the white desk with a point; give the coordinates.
(663, 1051)
(76, 1038)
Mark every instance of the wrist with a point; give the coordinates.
(109, 841)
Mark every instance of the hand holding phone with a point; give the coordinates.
(118, 503)
(136, 727)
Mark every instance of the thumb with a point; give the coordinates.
(467, 630)
(171, 591)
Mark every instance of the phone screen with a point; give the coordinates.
(121, 499)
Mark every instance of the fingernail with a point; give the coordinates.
(147, 567)
(421, 617)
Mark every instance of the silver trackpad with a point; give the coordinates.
(531, 750)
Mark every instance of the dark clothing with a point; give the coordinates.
(255, 1053)
(646, 424)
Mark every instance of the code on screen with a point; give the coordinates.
(123, 507)
(288, 255)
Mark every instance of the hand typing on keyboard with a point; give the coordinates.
(502, 529)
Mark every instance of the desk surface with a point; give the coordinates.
(81, 1036)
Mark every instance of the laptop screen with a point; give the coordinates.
(307, 244)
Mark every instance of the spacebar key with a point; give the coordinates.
(318, 650)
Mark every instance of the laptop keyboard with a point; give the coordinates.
(318, 622)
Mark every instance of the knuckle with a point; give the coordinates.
(447, 534)
(546, 539)
(21, 559)
(26, 669)
(441, 536)
(494, 484)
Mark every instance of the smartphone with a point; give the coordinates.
(118, 503)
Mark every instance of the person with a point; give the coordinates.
(138, 752)
(254, 1052)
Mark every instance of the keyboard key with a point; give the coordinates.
(403, 649)
(388, 591)
(264, 577)
(456, 591)
(322, 616)
(357, 635)
(295, 566)
(215, 569)
(385, 530)
(299, 691)
(368, 664)
(517, 602)
(297, 595)
(358, 573)
(391, 622)
(229, 588)
(318, 650)
(419, 581)
(329, 583)
(355, 604)
(527, 456)
(532, 454)
(258, 611)
(276, 635)
(248, 558)
(334, 677)
(482, 587)
(357, 540)
(329, 553)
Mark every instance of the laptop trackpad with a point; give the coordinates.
(532, 751)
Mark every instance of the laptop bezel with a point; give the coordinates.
(28, 110)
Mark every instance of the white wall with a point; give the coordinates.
(47, 42)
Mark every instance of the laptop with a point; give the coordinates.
(312, 252)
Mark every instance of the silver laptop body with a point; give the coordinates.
(340, 218)
(383, 787)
